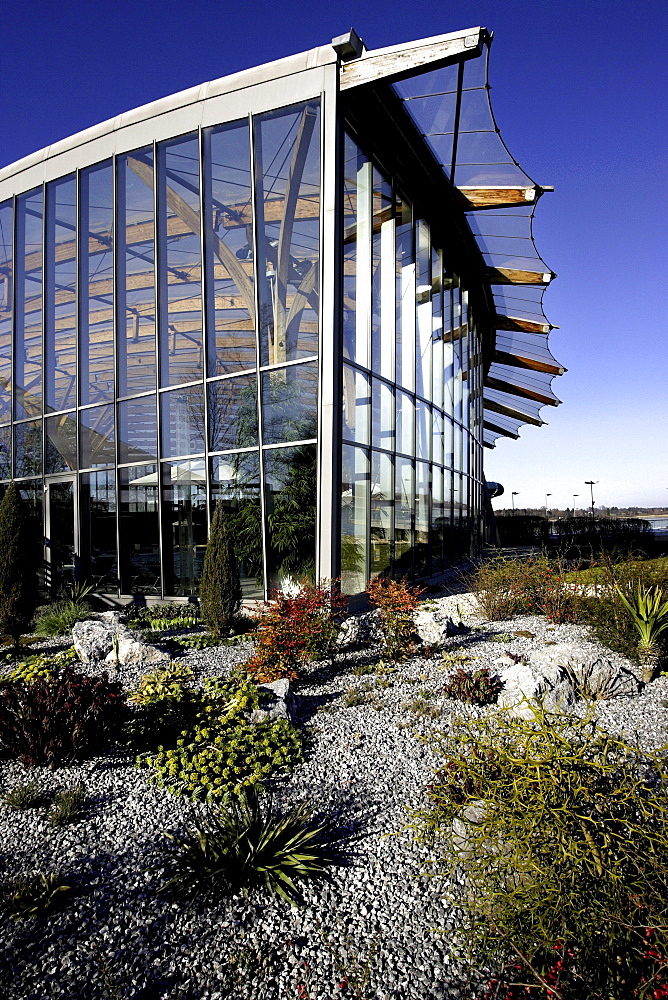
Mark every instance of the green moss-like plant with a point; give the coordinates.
(18, 565)
(220, 587)
(557, 833)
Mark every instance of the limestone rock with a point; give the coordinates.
(359, 630)
(92, 640)
(277, 702)
(526, 685)
(592, 676)
(133, 652)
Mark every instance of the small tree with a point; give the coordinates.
(220, 587)
(18, 569)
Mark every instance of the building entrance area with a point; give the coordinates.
(60, 535)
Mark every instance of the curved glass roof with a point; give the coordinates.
(451, 107)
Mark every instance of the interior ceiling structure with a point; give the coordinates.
(443, 83)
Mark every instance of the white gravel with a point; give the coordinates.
(381, 920)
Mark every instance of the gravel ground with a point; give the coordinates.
(382, 925)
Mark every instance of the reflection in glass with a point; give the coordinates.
(382, 280)
(437, 519)
(5, 453)
(139, 530)
(422, 518)
(6, 294)
(228, 244)
(61, 443)
(353, 160)
(290, 500)
(356, 405)
(137, 430)
(423, 335)
(135, 273)
(404, 501)
(288, 201)
(62, 557)
(290, 403)
(405, 423)
(97, 440)
(181, 351)
(29, 279)
(97, 498)
(437, 437)
(405, 295)
(382, 415)
(354, 516)
(184, 528)
(28, 449)
(60, 368)
(437, 327)
(232, 413)
(422, 429)
(182, 421)
(96, 311)
(235, 482)
(382, 510)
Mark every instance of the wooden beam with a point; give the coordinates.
(499, 430)
(515, 276)
(476, 198)
(518, 390)
(518, 361)
(518, 325)
(398, 61)
(510, 411)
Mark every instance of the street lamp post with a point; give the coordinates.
(591, 484)
(546, 496)
(512, 496)
(575, 496)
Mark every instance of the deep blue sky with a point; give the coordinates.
(579, 92)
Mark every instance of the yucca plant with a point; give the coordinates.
(649, 614)
(247, 844)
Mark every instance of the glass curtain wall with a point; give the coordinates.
(411, 417)
(159, 332)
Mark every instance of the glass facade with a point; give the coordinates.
(227, 311)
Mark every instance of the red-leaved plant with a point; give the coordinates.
(396, 602)
(293, 630)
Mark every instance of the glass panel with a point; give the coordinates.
(382, 420)
(405, 423)
(97, 499)
(290, 498)
(382, 510)
(424, 319)
(437, 519)
(60, 538)
(6, 297)
(136, 276)
(290, 403)
(405, 295)
(354, 514)
(457, 358)
(29, 277)
(181, 353)
(184, 528)
(61, 294)
(422, 517)
(61, 443)
(448, 443)
(97, 440)
(182, 421)
(404, 501)
(288, 200)
(356, 405)
(96, 310)
(139, 530)
(235, 482)
(229, 249)
(422, 429)
(448, 350)
(137, 430)
(437, 437)
(353, 160)
(382, 332)
(5, 453)
(28, 449)
(437, 327)
(233, 413)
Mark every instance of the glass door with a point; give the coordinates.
(60, 540)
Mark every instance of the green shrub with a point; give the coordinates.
(165, 614)
(248, 844)
(61, 617)
(163, 706)
(36, 896)
(222, 752)
(55, 720)
(557, 833)
(19, 559)
(293, 630)
(397, 603)
(220, 586)
(27, 796)
(163, 624)
(68, 806)
(505, 588)
(204, 641)
(474, 687)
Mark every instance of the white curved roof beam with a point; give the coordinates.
(398, 61)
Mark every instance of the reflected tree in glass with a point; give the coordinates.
(290, 497)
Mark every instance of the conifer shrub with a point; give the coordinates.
(18, 565)
(556, 832)
(397, 602)
(55, 720)
(220, 586)
(294, 630)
